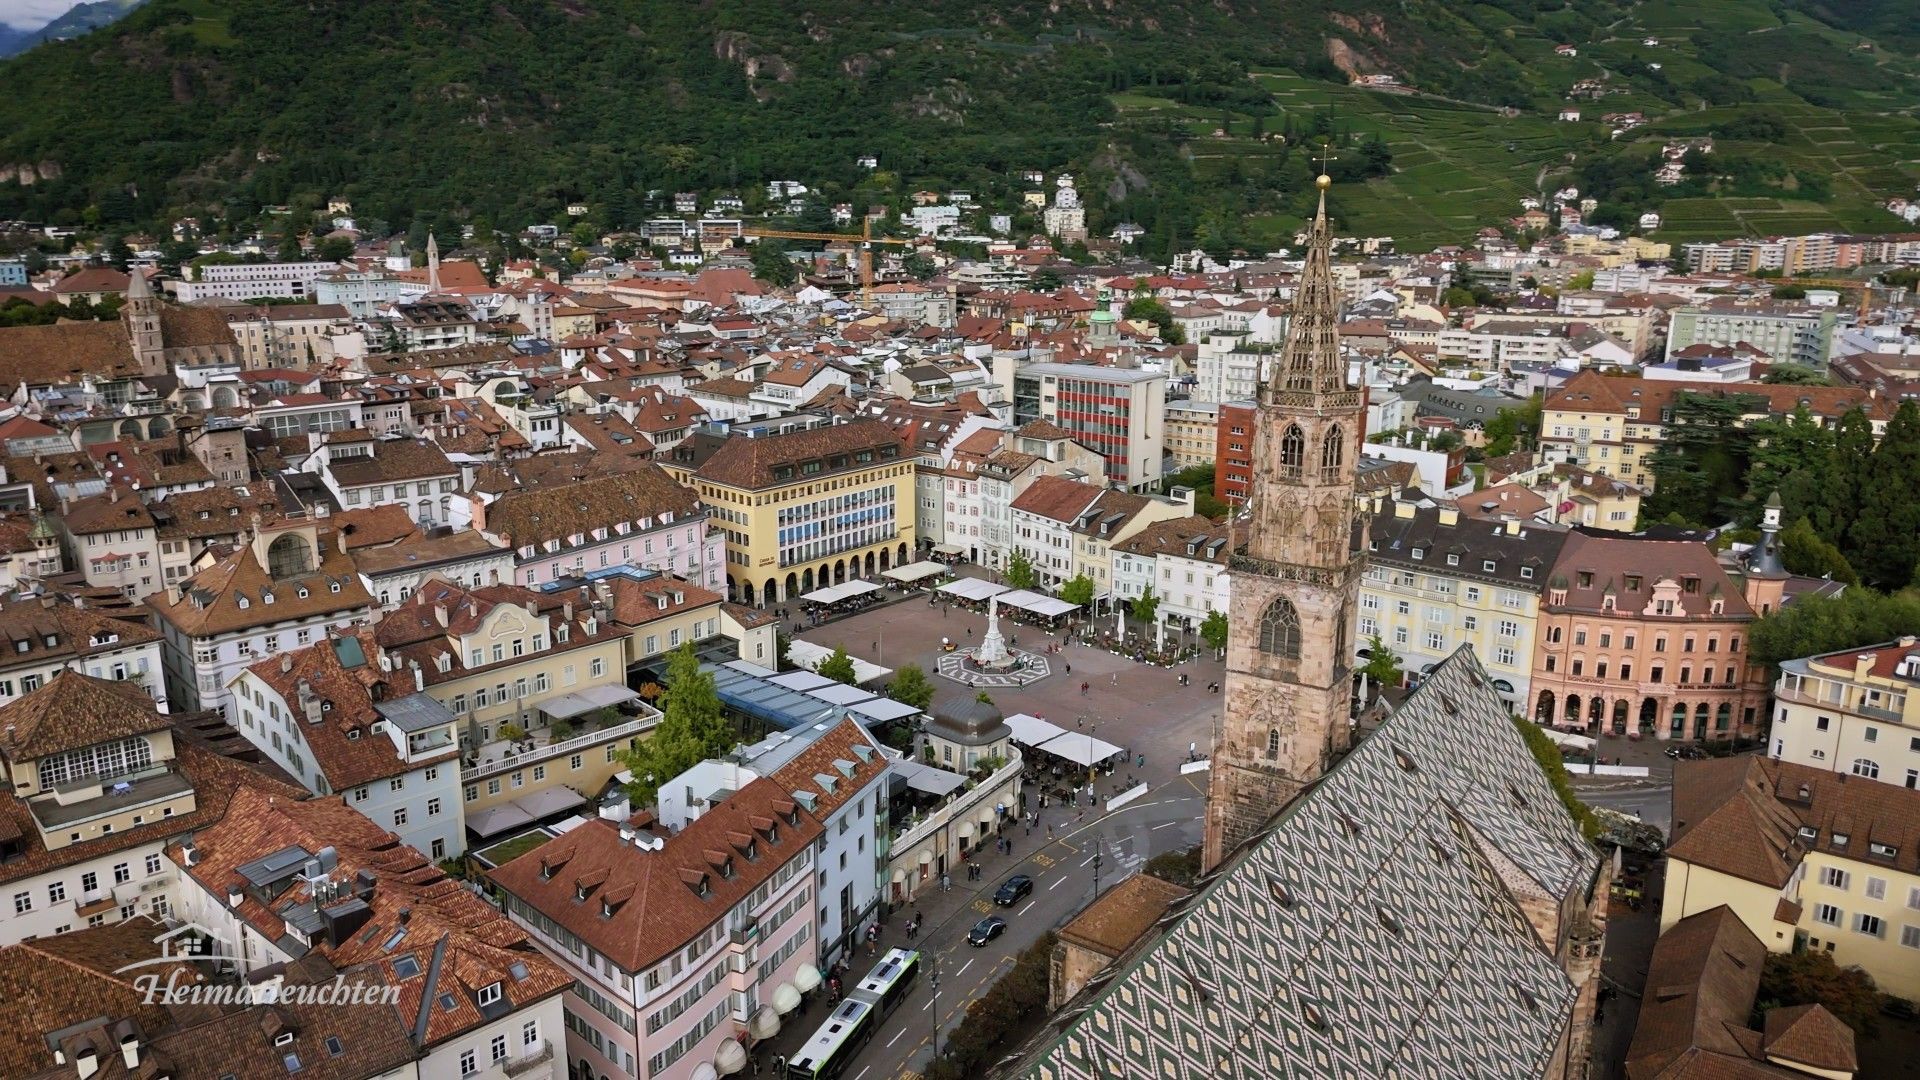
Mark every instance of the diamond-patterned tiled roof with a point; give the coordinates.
(1371, 931)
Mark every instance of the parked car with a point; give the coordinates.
(986, 930)
(1011, 890)
(1685, 752)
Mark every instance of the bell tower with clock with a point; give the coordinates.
(1296, 579)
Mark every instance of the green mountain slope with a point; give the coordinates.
(507, 110)
(76, 20)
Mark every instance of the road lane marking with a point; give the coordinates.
(1168, 825)
(869, 1068)
(1043, 861)
(963, 969)
(1023, 910)
(1088, 861)
(1056, 884)
(896, 1036)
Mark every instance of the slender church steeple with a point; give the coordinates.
(433, 264)
(141, 315)
(1296, 580)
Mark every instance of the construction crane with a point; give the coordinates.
(865, 238)
(1866, 287)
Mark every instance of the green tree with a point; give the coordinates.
(1580, 281)
(1382, 667)
(1546, 754)
(1794, 457)
(1157, 313)
(771, 265)
(782, 647)
(1019, 573)
(1851, 466)
(1213, 630)
(1078, 591)
(1813, 625)
(911, 686)
(1813, 978)
(839, 667)
(1884, 541)
(1514, 428)
(1046, 280)
(1795, 375)
(919, 266)
(1803, 551)
(693, 727)
(1180, 866)
(1147, 606)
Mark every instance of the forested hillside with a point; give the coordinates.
(504, 111)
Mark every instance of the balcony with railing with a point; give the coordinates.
(539, 745)
(529, 1059)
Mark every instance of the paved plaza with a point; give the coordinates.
(1139, 706)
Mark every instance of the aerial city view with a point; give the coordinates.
(626, 540)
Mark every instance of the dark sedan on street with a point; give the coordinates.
(986, 930)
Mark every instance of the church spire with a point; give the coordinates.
(433, 264)
(1310, 363)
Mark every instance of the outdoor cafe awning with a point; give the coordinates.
(568, 706)
(914, 571)
(1031, 730)
(549, 801)
(1080, 748)
(846, 590)
(495, 820)
(949, 549)
(973, 588)
(1037, 603)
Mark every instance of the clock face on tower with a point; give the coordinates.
(1295, 575)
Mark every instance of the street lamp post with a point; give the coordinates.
(1096, 873)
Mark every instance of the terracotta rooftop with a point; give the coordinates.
(559, 512)
(775, 460)
(74, 710)
(230, 593)
(643, 905)
(1111, 924)
(1057, 498)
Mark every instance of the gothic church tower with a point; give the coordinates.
(1296, 580)
(141, 315)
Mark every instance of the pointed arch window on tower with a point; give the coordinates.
(1333, 451)
(1293, 451)
(1280, 630)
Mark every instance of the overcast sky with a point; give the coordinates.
(32, 14)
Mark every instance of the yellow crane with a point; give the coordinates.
(865, 238)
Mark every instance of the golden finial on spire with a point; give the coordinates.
(1323, 181)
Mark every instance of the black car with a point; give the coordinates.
(986, 930)
(1013, 889)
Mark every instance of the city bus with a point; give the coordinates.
(890, 981)
(828, 1052)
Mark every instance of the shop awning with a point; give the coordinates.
(553, 800)
(803, 681)
(1031, 730)
(973, 588)
(568, 706)
(949, 549)
(1037, 603)
(808, 655)
(919, 571)
(881, 710)
(1080, 748)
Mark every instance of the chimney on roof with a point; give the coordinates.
(129, 1044)
(86, 1061)
(566, 611)
(440, 613)
(286, 662)
(419, 676)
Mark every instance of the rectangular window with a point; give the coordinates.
(1870, 925)
(1910, 936)
(1827, 914)
(1834, 877)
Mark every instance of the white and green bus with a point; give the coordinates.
(833, 1047)
(890, 981)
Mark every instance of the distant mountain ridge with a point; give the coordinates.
(76, 20)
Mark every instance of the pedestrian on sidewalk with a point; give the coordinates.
(1116, 678)
(944, 883)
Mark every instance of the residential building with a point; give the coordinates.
(656, 612)
(1183, 560)
(534, 681)
(801, 509)
(1708, 966)
(981, 501)
(1117, 412)
(1855, 712)
(1648, 636)
(253, 280)
(1192, 432)
(1437, 579)
(283, 587)
(342, 719)
(43, 637)
(392, 572)
(1233, 453)
(112, 537)
(1794, 334)
(673, 942)
(361, 471)
(305, 336)
(1401, 840)
(284, 881)
(79, 850)
(1808, 859)
(641, 516)
(1044, 517)
(837, 772)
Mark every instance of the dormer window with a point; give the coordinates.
(1453, 559)
(22, 645)
(333, 586)
(266, 598)
(1839, 839)
(1526, 572)
(1419, 553)
(303, 592)
(488, 995)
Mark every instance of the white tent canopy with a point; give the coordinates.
(919, 571)
(1037, 603)
(973, 588)
(808, 655)
(1031, 730)
(1080, 748)
(846, 590)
